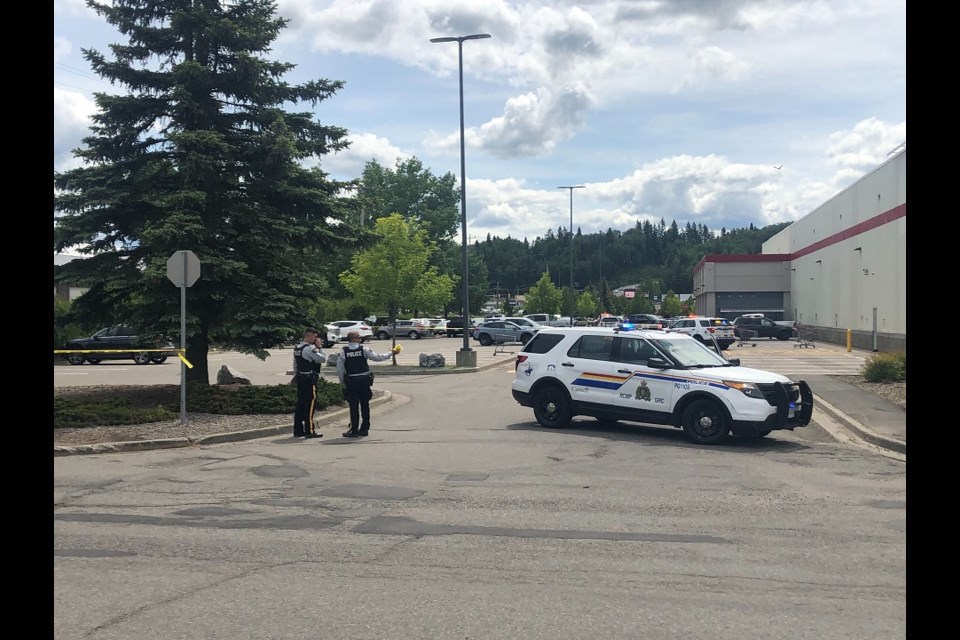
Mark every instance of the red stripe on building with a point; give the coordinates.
(867, 225)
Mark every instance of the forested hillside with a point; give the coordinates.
(660, 256)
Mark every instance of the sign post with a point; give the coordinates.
(183, 269)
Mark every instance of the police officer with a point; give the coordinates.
(356, 377)
(307, 358)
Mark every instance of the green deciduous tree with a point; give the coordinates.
(639, 304)
(394, 273)
(587, 305)
(670, 306)
(432, 202)
(201, 154)
(543, 297)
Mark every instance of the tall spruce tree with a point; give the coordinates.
(201, 154)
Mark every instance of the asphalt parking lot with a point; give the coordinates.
(771, 355)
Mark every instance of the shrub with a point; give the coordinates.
(886, 367)
(90, 412)
(139, 405)
(256, 399)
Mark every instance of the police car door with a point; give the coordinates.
(589, 372)
(645, 389)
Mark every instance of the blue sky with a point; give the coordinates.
(674, 109)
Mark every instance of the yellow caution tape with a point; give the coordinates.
(185, 361)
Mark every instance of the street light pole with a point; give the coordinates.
(466, 356)
(579, 186)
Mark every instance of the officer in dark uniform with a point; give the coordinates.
(307, 358)
(357, 379)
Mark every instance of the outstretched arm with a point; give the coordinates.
(377, 357)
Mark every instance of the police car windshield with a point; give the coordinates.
(689, 354)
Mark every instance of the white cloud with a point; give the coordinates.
(61, 48)
(71, 122)
(707, 190)
(71, 7)
(869, 143)
(349, 163)
(531, 125)
(663, 108)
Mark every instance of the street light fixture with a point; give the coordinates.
(466, 356)
(579, 186)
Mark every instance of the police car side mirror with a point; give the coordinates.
(734, 362)
(657, 362)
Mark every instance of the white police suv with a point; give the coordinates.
(653, 377)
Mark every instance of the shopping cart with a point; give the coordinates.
(502, 340)
(805, 336)
(745, 337)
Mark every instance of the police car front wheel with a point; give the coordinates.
(705, 422)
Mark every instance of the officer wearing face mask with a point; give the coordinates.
(357, 379)
(307, 358)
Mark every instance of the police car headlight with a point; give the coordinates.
(748, 388)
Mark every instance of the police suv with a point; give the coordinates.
(653, 377)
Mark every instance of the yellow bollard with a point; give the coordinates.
(849, 340)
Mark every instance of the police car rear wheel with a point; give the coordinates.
(551, 408)
(705, 422)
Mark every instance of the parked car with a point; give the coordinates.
(763, 327)
(548, 320)
(524, 322)
(500, 331)
(702, 329)
(454, 327)
(413, 329)
(337, 331)
(120, 342)
(440, 329)
(433, 323)
(608, 321)
(643, 321)
(653, 377)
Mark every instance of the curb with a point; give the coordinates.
(884, 442)
(215, 438)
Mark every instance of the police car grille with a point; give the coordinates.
(769, 391)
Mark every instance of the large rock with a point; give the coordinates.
(227, 375)
(432, 360)
(332, 358)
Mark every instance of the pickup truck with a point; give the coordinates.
(762, 327)
(548, 320)
(454, 327)
(119, 342)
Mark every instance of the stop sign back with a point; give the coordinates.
(183, 268)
